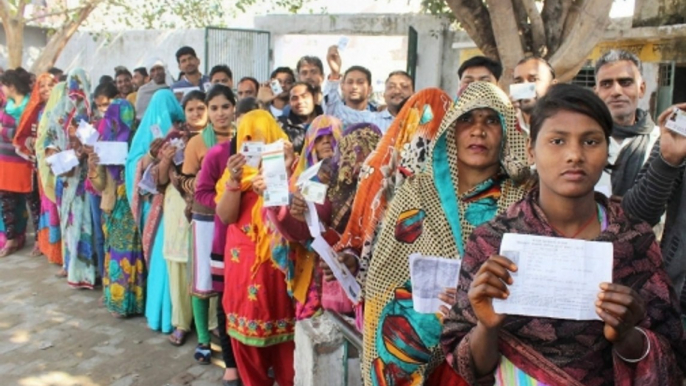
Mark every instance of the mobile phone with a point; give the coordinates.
(276, 87)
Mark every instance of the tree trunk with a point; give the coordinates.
(507, 37)
(14, 32)
(60, 38)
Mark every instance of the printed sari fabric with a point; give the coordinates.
(533, 344)
(28, 124)
(124, 269)
(76, 223)
(16, 173)
(303, 275)
(163, 111)
(427, 216)
(49, 234)
(258, 308)
(407, 141)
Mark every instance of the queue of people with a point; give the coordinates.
(184, 233)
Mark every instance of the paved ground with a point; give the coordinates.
(52, 335)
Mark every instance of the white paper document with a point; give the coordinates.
(112, 153)
(343, 43)
(180, 154)
(314, 192)
(275, 175)
(677, 121)
(147, 183)
(519, 91)
(309, 173)
(252, 151)
(430, 276)
(87, 134)
(557, 278)
(312, 220)
(62, 162)
(340, 271)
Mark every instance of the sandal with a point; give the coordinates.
(178, 337)
(203, 354)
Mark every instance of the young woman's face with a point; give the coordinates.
(478, 136)
(570, 154)
(102, 102)
(323, 145)
(221, 112)
(44, 88)
(196, 114)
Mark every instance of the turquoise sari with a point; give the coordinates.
(163, 111)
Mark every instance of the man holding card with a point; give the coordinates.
(660, 189)
(627, 332)
(620, 84)
(533, 77)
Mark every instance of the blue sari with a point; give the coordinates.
(163, 111)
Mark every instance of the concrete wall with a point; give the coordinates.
(34, 40)
(129, 48)
(659, 12)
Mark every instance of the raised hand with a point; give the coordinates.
(672, 144)
(621, 308)
(490, 283)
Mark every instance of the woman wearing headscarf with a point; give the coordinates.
(220, 103)
(123, 278)
(296, 258)
(25, 145)
(205, 204)
(638, 339)
(403, 151)
(260, 314)
(17, 186)
(76, 223)
(163, 112)
(433, 213)
(49, 235)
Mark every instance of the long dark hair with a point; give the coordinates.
(19, 78)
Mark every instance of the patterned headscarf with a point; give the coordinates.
(320, 126)
(358, 142)
(30, 118)
(47, 179)
(73, 108)
(115, 126)
(257, 125)
(427, 216)
(408, 137)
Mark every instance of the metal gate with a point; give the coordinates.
(246, 52)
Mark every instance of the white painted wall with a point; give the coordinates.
(129, 48)
(34, 41)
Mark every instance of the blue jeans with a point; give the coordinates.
(99, 242)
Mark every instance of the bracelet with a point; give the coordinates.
(644, 355)
(154, 159)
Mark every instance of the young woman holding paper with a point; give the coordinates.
(220, 103)
(473, 166)
(261, 317)
(638, 340)
(124, 271)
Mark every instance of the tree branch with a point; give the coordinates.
(56, 13)
(571, 18)
(537, 29)
(553, 15)
(523, 26)
(4, 11)
(474, 18)
(593, 19)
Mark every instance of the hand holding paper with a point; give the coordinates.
(112, 153)
(87, 134)
(430, 276)
(62, 162)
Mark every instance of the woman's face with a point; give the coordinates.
(196, 114)
(323, 145)
(102, 102)
(570, 154)
(478, 136)
(44, 89)
(221, 112)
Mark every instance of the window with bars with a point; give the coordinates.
(585, 77)
(665, 74)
